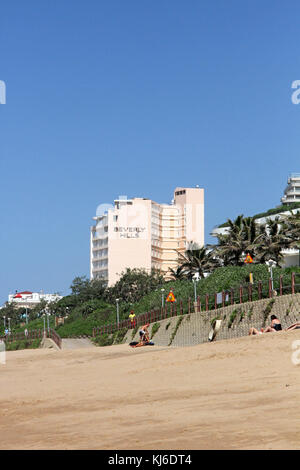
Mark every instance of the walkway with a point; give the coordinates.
(76, 343)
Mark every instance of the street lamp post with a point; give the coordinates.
(4, 322)
(48, 322)
(117, 301)
(44, 325)
(196, 278)
(162, 298)
(26, 316)
(271, 264)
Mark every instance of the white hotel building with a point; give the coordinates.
(291, 256)
(140, 233)
(292, 190)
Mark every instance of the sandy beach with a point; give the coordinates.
(235, 394)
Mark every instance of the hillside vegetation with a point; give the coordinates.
(210, 269)
(96, 312)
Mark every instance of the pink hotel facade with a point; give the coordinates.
(140, 233)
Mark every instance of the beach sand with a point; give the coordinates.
(236, 394)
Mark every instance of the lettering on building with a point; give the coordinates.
(130, 232)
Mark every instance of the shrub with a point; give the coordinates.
(155, 329)
(119, 335)
(250, 313)
(232, 318)
(175, 330)
(104, 340)
(134, 332)
(268, 310)
(23, 344)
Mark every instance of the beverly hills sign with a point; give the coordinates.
(130, 232)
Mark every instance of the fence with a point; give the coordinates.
(244, 293)
(55, 337)
(32, 335)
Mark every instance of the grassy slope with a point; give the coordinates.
(221, 279)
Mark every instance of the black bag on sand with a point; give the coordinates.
(134, 343)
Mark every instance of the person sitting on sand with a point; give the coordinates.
(254, 331)
(144, 336)
(273, 327)
(144, 333)
(294, 326)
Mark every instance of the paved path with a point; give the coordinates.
(76, 343)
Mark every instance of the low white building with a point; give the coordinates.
(27, 299)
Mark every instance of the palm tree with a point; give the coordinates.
(274, 238)
(197, 260)
(291, 224)
(178, 274)
(242, 237)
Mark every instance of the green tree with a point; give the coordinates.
(85, 289)
(292, 228)
(179, 273)
(273, 239)
(133, 285)
(197, 260)
(241, 237)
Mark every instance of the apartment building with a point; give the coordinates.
(141, 233)
(292, 190)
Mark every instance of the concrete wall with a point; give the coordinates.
(236, 321)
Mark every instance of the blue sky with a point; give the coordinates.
(113, 97)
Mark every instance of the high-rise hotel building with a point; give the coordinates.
(140, 233)
(292, 190)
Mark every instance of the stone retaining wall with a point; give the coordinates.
(236, 319)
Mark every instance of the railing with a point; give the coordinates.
(55, 337)
(32, 335)
(244, 293)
